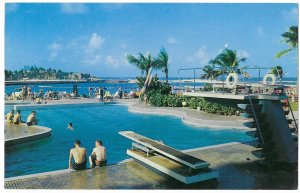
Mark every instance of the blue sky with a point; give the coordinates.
(94, 38)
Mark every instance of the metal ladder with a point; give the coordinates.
(290, 108)
(255, 118)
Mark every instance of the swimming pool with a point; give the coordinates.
(103, 122)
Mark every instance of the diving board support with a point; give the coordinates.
(174, 163)
(165, 150)
(187, 179)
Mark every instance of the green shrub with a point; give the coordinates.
(159, 95)
(166, 100)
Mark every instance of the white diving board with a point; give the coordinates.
(167, 151)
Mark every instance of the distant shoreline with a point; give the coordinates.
(31, 82)
(22, 82)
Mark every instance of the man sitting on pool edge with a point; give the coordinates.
(98, 156)
(17, 118)
(31, 119)
(10, 116)
(79, 155)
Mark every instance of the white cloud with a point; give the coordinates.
(95, 43)
(201, 56)
(123, 46)
(111, 61)
(226, 45)
(260, 31)
(54, 49)
(171, 40)
(92, 60)
(74, 8)
(243, 54)
(291, 15)
(11, 7)
(113, 6)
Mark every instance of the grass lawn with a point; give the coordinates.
(294, 106)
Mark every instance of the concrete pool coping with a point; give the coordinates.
(234, 162)
(121, 162)
(40, 133)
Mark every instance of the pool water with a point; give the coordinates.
(103, 122)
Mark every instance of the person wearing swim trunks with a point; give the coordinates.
(98, 156)
(31, 119)
(79, 155)
(17, 118)
(10, 116)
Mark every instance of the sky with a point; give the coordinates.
(95, 38)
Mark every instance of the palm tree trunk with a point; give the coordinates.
(167, 78)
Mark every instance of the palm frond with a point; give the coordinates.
(283, 52)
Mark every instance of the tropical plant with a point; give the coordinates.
(163, 60)
(143, 62)
(291, 38)
(227, 61)
(210, 72)
(277, 71)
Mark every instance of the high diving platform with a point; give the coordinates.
(174, 163)
(235, 96)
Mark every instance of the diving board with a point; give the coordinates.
(167, 151)
(172, 162)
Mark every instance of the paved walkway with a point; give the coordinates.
(191, 116)
(234, 162)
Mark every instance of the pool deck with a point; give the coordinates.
(190, 116)
(233, 161)
(16, 134)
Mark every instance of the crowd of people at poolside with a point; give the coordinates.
(27, 93)
(102, 94)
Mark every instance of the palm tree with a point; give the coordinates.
(291, 38)
(210, 72)
(163, 62)
(228, 61)
(277, 71)
(143, 62)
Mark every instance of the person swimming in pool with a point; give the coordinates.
(79, 155)
(70, 126)
(98, 156)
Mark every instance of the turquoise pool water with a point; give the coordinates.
(103, 122)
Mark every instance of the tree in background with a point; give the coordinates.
(143, 62)
(291, 38)
(224, 63)
(163, 60)
(277, 71)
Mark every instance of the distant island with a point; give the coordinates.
(39, 73)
